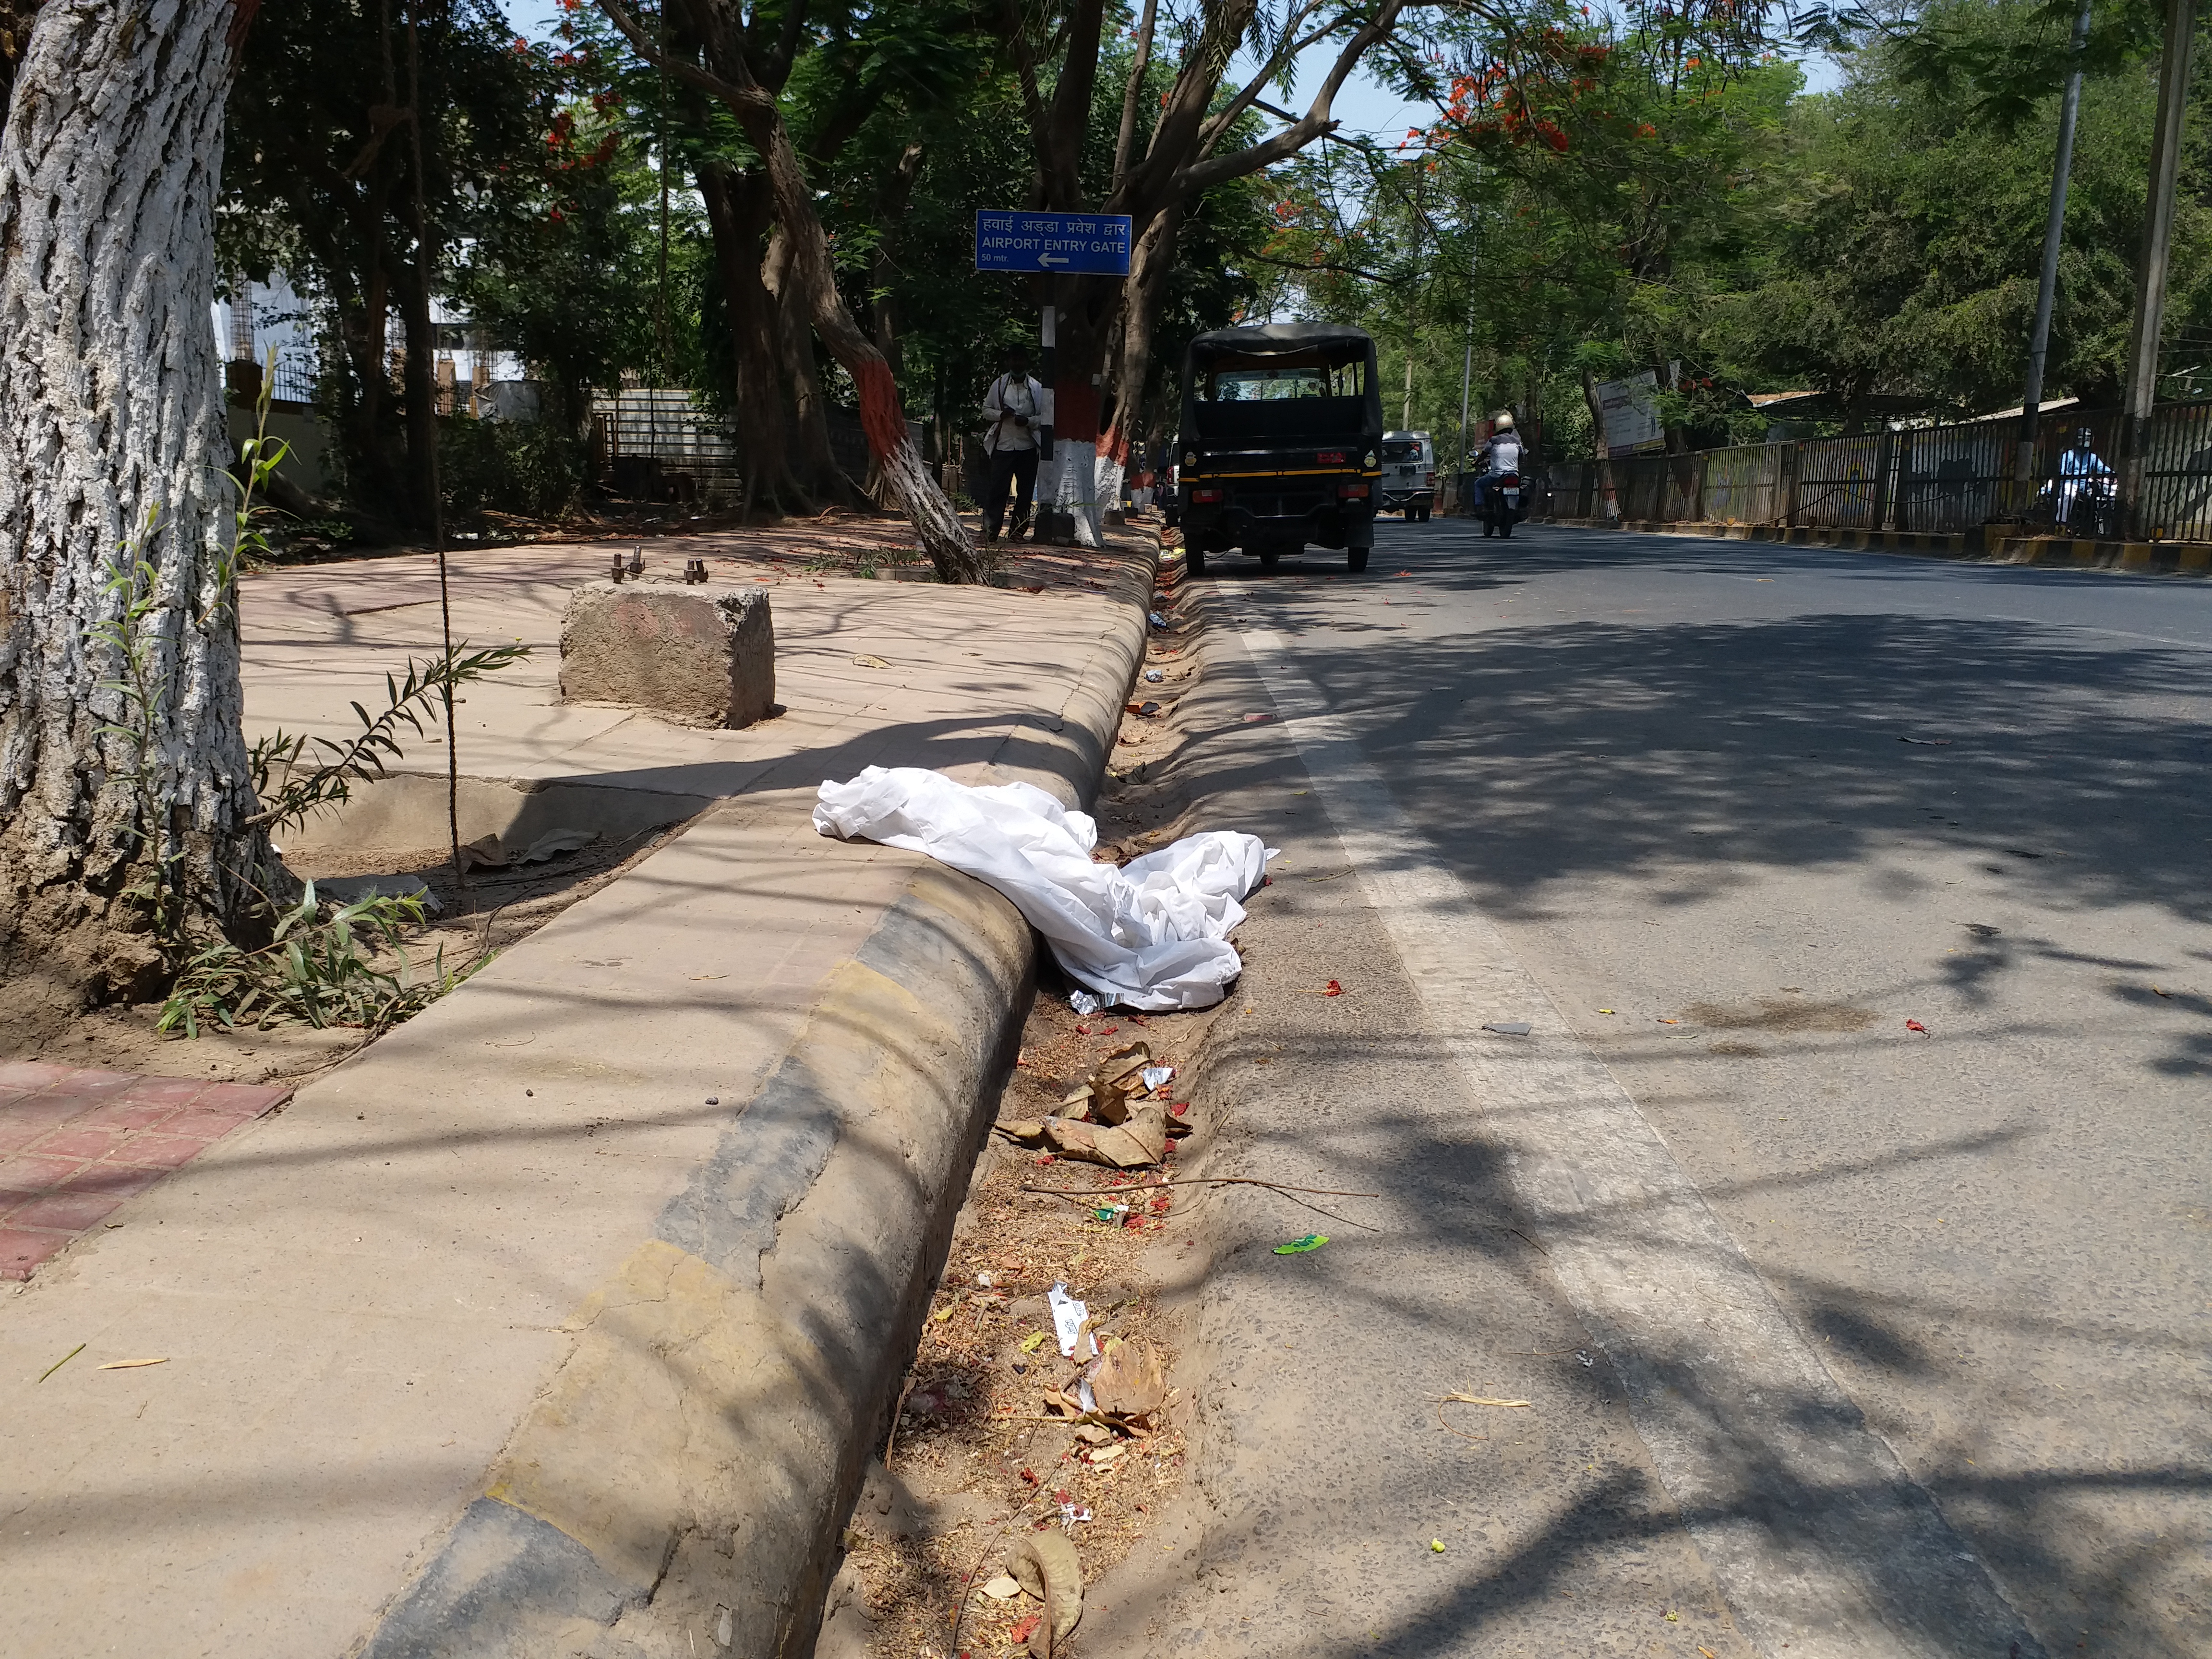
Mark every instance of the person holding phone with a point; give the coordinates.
(1010, 444)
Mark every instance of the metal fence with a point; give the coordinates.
(657, 444)
(1941, 479)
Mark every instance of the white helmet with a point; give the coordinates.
(1504, 423)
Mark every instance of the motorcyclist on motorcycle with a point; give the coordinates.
(1500, 455)
(2085, 484)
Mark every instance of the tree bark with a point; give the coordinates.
(1609, 502)
(736, 219)
(815, 462)
(109, 417)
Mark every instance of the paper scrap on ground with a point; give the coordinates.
(1152, 934)
(1067, 1318)
(1300, 1246)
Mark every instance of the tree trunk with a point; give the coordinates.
(737, 218)
(1150, 261)
(816, 461)
(1609, 502)
(942, 537)
(891, 210)
(120, 812)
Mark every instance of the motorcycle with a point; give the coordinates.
(1501, 504)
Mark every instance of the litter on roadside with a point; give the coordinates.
(1154, 676)
(1156, 1076)
(1300, 1246)
(1152, 934)
(490, 852)
(1069, 1317)
(1156, 619)
(1130, 1380)
(1915, 1025)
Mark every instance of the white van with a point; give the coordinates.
(1409, 475)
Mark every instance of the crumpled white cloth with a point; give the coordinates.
(1153, 934)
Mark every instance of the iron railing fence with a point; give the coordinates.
(1743, 485)
(657, 444)
(1941, 479)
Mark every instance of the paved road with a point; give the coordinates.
(1741, 813)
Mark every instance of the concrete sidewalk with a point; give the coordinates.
(561, 1320)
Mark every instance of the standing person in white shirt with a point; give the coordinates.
(1010, 411)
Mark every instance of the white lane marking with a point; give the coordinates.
(1816, 1533)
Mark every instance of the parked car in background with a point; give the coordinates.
(1409, 475)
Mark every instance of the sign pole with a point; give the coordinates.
(1048, 463)
(1046, 245)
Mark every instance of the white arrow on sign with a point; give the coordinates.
(1050, 259)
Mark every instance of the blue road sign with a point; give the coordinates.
(1078, 243)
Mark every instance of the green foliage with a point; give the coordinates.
(328, 779)
(1652, 189)
(534, 469)
(314, 971)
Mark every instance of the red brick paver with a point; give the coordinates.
(73, 1144)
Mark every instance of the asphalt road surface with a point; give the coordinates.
(1857, 905)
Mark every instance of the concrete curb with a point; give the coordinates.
(1978, 546)
(684, 1472)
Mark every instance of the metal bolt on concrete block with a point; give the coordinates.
(701, 655)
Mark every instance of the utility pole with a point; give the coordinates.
(2046, 290)
(2150, 280)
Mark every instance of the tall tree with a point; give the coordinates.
(124, 774)
(1201, 136)
(725, 71)
(322, 185)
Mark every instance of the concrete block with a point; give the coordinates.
(699, 654)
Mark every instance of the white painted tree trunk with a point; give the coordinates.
(111, 415)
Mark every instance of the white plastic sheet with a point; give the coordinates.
(1153, 934)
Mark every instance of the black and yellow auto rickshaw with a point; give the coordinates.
(1282, 434)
